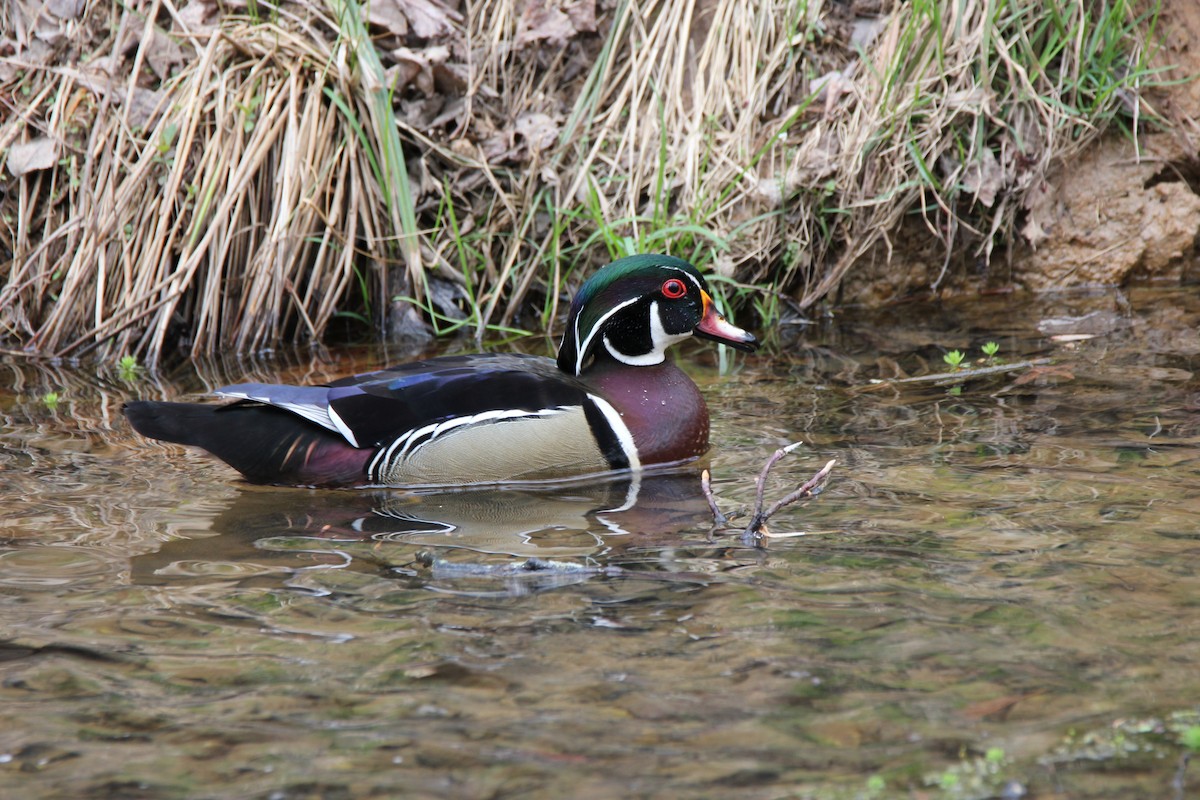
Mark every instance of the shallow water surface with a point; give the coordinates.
(996, 596)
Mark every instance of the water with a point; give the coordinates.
(996, 596)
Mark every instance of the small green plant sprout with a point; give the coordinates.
(166, 141)
(954, 358)
(249, 111)
(128, 368)
(1191, 738)
(990, 349)
(994, 755)
(50, 400)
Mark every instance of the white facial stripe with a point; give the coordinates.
(644, 360)
(620, 430)
(659, 338)
(583, 345)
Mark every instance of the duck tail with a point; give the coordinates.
(265, 444)
(181, 423)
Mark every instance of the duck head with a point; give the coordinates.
(634, 309)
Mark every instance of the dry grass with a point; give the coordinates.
(235, 210)
(262, 173)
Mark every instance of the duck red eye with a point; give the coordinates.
(674, 289)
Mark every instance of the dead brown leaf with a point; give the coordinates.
(996, 709)
(1041, 373)
(144, 105)
(1043, 213)
(389, 16)
(415, 67)
(539, 131)
(438, 111)
(198, 16)
(428, 19)
(66, 9)
(545, 20)
(453, 79)
(41, 153)
(102, 66)
(984, 177)
(163, 54)
(583, 15)
(530, 134)
(497, 146)
(814, 162)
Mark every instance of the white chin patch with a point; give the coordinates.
(660, 340)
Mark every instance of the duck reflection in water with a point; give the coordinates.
(267, 531)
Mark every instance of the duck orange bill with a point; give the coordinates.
(713, 326)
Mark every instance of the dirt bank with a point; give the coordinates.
(1127, 210)
(211, 179)
(1123, 211)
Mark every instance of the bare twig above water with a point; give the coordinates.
(756, 531)
(807, 489)
(719, 519)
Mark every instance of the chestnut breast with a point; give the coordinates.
(659, 404)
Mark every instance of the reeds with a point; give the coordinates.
(231, 183)
(227, 213)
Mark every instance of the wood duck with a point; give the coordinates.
(611, 401)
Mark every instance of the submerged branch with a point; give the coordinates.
(531, 566)
(958, 376)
